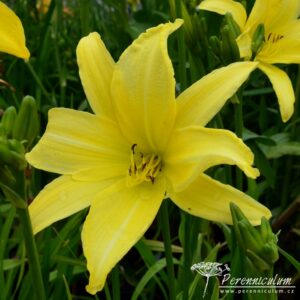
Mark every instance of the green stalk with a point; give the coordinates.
(34, 264)
(187, 258)
(289, 164)
(181, 49)
(115, 278)
(38, 81)
(85, 14)
(26, 227)
(239, 126)
(57, 28)
(164, 221)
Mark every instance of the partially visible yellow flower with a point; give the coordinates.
(12, 38)
(43, 7)
(281, 43)
(139, 147)
(134, 4)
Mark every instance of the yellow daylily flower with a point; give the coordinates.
(44, 5)
(12, 38)
(139, 147)
(281, 43)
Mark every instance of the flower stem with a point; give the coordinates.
(39, 83)
(31, 250)
(164, 220)
(116, 283)
(289, 164)
(239, 126)
(181, 49)
(32, 253)
(187, 256)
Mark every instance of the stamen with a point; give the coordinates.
(274, 37)
(143, 167)
(133, 147)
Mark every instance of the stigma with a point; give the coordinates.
(144, 167)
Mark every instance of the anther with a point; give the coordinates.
(133, 147)
(143, 167)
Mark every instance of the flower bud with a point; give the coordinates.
(8, 120)
(259, 244)
(12, 154)
(6, 156)
(270, 251)
(2, 132)
(232, 25)
(252, 239)
(229, 48)
(215, 45)
(18, 153)
(258, 38)
(257, 261)
(27, 123)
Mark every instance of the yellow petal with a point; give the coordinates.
(285, 51)
(280, 13)
(283, 88)
(12, 38)
(62, 198)
(244, 42)
(75, 141)
(144, 89)
(194, 149)
(95, 69)
(273, 14)
(221, 7)
(114, 224)
(258, 15)
(210, 199)
(290, 29)
(198, 104)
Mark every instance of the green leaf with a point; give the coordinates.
(288, 148)
(262, 162)
(69, 295)
(158, 246)
(159, 265)
(290, 258)
(250, 135)
(12, 263)
(14, 198)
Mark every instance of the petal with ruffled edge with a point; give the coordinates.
(114, 224)
(222, 7)
(194, 149)
(95, 69)
(62, 198)
(143, 89)
(76, 140)
(12, 38)
(199, 103)
(210, 199)
(283, 88)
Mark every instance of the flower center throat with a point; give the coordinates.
(143, 167)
